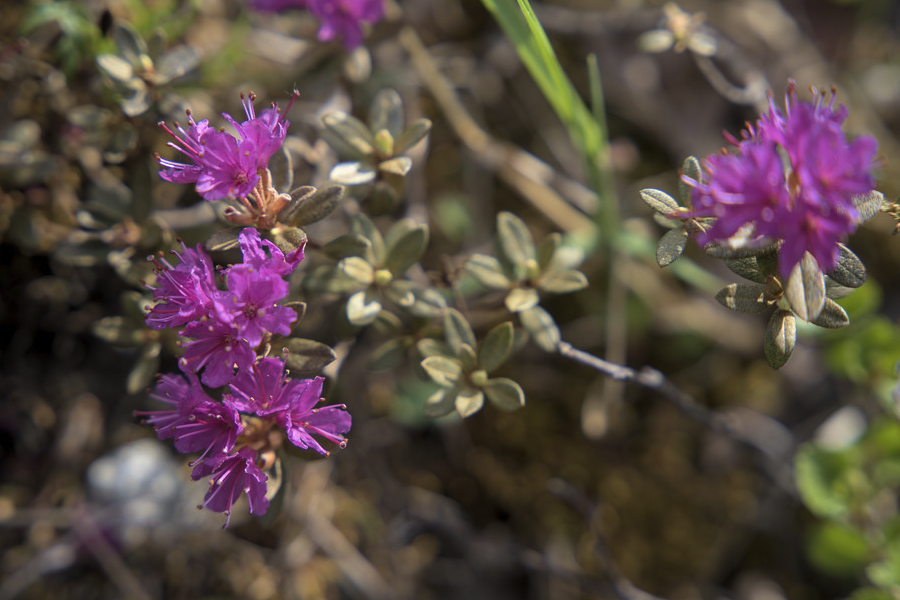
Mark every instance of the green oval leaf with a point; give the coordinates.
(457, 330)
(563, 281)
(850, 271)
(469, 402)
(362, 308)
(504, 393)
(357, 269)
(833, 316)
(519, 299)
(542, 328)
(805, 290)
(412, 135)
(744, 297)
(442, 370)
(407, 250)
(781, 336)
(303, 356)
(514, 239)
(659, 201)
(496, 347)
(671, 246)
(488, 271)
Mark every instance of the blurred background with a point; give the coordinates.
(595, 489)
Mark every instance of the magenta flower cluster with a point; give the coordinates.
(222, 165)
(338, 18)
(239, 435)
(806, 203)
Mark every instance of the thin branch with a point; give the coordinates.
(778, 469)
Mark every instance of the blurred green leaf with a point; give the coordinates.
(805, 290)
(838, 550)
(457, 330)
(304, 356)
(143, 371)
(515, 240)
(504, 393)
(542, 328)
(488, 271)
(362, 308)
(496, 347)
(519, 299)
(405, 251)
(442, 370)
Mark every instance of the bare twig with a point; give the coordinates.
(778, 469)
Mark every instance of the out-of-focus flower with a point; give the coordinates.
(338, 18)
(806, 204)
(234, 475)
(223, 166)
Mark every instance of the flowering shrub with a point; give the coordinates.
(246, 428)
(806, 203)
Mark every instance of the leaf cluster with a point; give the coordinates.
(373, 153)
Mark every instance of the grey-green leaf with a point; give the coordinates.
(329, 279)
(690, 168)
(363, 225)
(388, 355)
(352, 132)
(671, 246)
(868, 205)
(405, 251)
(746, 268)
(469, 402)
(313, 207)
(362, 308)
(659, 201)
(457, 330)
(386, 112)
(351, 244)
(442, 370)
(542, 327)
(488, 271)
(546, 250)
(744, 297)
(115, 67)
(441, 403)
(496, 347)
(515, 240)
(781, 336)
(399, 165)
(563, 281)
(352, 173)
(304, 356)
(519, 299)
(144, 369)
(357, 269)
(412, 135)
(805, 290)
(850, 271)
(504, 393)
(833, 316)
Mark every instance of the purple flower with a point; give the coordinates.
(249, 304)
(807, 204)
(264, 256)
(223, 166)
(301, 420)
(217, 349)
(263, 388)
(211, 428)
(183, 394)
(186, 290)
(342, 18)
(266, 132)
(232, 476)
